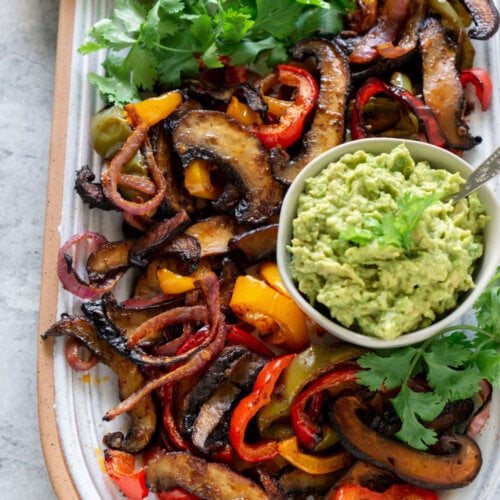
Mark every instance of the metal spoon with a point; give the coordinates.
(483, 173)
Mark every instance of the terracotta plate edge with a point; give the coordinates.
(59, 474)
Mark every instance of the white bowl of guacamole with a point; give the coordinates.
(372, 250)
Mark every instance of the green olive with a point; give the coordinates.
(109, 130)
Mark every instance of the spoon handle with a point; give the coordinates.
(483, 173)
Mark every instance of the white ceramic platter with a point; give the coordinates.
(73, 441)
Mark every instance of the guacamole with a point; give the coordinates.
(376, 243)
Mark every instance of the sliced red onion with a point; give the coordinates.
(69, 277)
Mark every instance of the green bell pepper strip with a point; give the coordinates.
(307, 366)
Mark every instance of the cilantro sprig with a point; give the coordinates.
(394, 228)
(161, 42)
(452, 363)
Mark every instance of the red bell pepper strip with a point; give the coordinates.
(291, 123)
(250, 405)
(177, 494)
(120, 467)
(395, 492)
(481, 82)
(169, 421)
(307, 431)
(240, 336)
(425, 117)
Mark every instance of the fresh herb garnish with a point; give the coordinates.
(452, 363)
(164, 41)
(394, 228)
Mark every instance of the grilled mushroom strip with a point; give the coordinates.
(109, 259)
(214, 136)
(214, 234)
(208, 383)
(147, 247)
(328, 126)
(442, 90)
(130, 379)
(207, 480)
(256, 244)
(485, 16)
(91, 192)
(453, 470)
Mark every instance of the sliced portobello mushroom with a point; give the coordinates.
(424, 469)
(485, 16)
(214, 136)
(442, 90)
(208, 480)
(108, 260)
(91, 192)
(130, 379)
(208, 383)
(328, 126)
(214, 234)
(256, 244)
(148, 246)
(211, 414)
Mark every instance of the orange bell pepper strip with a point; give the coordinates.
(395, 492)
(269, 271)
(243, 113)
(275, 106)
(120, 467)
(248, 407)
(198, 182)
(155, 109)
(313, 464)
(276, 316)
(173, 283)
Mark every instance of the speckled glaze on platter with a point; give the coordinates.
(71, 404)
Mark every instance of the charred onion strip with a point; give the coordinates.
(68, 276)
(479, 419)
(389, 24)
(167, 318)
(196, 362)
(374, 86)
(409, 38)
(99, 313)
(111, 176)
(72, 352)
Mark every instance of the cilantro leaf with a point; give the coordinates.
(395, 228)
(114, 89)
(161, 41)
(380, 373)
(488, 362)
(452, 363)
(412, 407)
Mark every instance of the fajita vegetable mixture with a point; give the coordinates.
(210, 110)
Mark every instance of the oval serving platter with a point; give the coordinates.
(71, 404)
